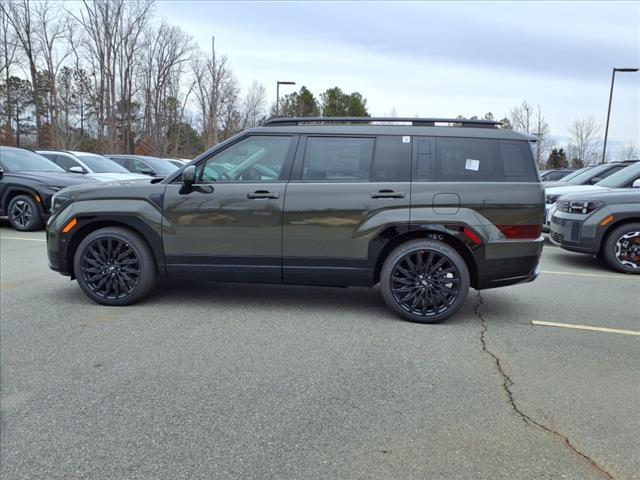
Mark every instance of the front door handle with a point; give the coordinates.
(263, 194)
(387, 194)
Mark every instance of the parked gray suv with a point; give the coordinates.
(425, 207)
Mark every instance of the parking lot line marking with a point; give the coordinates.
(581, 274)
(585, 327)
(24, 238)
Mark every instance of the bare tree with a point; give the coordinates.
(541, 131)
(18, 14)
(211, 76)
(583, 141)
(629, 152)
(521, 117)
(7, 59)
(254, 106)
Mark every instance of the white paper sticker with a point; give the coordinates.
(472, 164)
(406, 139)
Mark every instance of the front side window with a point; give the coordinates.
(102, 164)
(337, 159)
(253, 159)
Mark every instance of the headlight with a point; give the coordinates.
(57, 202)
(550, 199)
(578, 206)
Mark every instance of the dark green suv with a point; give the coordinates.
(425, 207)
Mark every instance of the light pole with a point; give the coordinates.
(606, 129)
(278, 83)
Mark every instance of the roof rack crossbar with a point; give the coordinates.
(416, 122)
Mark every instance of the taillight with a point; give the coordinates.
(520, 231)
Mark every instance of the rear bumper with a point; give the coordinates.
(509, 262)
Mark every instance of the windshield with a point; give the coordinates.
(99, 164)
(159, 165)
(621, 177)
(584, 177)
(17, 160)
(574, 174)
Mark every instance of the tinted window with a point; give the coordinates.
(517, 162)
(337, 159)
(253, 159)
(391, 160)
(121, 161)
(19, 160)
(468, 160)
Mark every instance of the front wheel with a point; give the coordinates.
(24, 214)
(424, 281)
(115, 266)
(621, 249)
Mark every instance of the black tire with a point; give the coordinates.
(621, 248)
(24, 214)
(439, 283)
(115, 266)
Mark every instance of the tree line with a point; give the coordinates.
(110, 77)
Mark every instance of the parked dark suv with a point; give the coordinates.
(424, 209)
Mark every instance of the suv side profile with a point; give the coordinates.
(424, 209)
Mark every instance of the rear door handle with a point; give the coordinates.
(387, 194)
(258, 194)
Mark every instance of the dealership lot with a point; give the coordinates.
(246, 381)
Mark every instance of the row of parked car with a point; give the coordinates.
(30, 179)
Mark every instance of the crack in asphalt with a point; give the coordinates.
(508, 383)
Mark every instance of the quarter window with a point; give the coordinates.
(253, 159)
(337, 159)
(517, 162)
(468, 160)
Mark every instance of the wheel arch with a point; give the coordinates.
(392, 237)
(88, 225)
(15, 190)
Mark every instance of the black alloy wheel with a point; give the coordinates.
(110, 268)
(424, 281)
(115, 266)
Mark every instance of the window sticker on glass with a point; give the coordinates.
(406, 139)
(472, 164)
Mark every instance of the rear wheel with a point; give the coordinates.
(115, 266)
(424, 281)
(24, 214)
(621, 248)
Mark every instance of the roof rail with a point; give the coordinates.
(416, 122)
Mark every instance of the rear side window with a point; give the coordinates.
(337, 159)
(391, 160)
(468, 160)
(517, 162)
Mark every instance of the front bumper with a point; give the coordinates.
(577, 232)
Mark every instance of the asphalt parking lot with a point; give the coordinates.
(209, 381)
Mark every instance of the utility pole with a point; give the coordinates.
(606, 130)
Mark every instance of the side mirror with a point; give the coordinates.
(147, 171)
(189, 175)
(594, 180)
(635, 184)
(77, 170)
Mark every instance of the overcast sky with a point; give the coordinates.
(436, 59)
